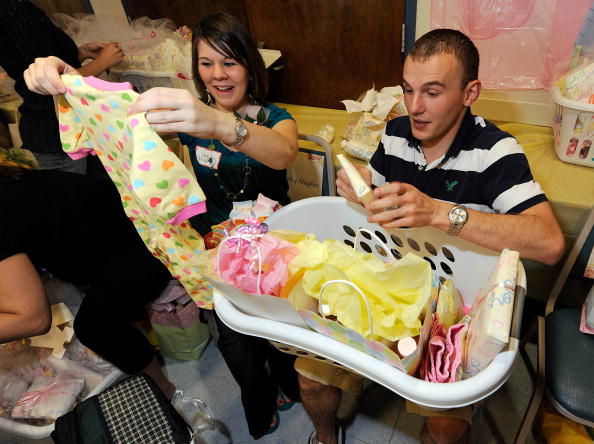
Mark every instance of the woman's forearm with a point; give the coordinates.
(15, 326)
(24, 308)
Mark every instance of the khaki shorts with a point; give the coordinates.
(329, 374)
(464, 413)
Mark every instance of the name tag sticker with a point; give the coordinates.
(208, 158)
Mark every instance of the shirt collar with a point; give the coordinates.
(465, 130)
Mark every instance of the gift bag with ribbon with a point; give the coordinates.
(176, 321)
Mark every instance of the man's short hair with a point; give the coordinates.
(449, 41)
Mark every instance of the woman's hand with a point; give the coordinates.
(43, 75)
(177, 110)
(110, 55)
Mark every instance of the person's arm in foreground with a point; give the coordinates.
(534, 233)
(24, 309)
(177, 110)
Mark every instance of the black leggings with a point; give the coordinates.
(129, 280)
(246, 356)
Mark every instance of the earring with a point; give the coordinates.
(209, 100)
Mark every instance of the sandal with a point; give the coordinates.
(283, 402)
(273, 424)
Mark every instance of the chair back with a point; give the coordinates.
(579, 258)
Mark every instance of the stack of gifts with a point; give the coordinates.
(176, 320)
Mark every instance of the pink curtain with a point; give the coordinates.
(522, 43)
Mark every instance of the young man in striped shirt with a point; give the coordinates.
(442, 166)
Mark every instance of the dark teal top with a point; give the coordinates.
(262, 179)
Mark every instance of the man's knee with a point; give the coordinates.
(446, 430)
(309, 385)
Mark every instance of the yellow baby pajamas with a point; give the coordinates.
(158, 192)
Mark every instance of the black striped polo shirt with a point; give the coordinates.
(485, 168)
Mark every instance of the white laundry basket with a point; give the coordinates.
(468, 265)
(17, 432)
(573, 128)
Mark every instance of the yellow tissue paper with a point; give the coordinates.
(449, 304)
(396, 292)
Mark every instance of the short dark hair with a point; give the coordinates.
(449, 41)
(229, 37)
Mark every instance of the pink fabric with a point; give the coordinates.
(81, 153)
(238, 264)
(520, 41)
(106, 86)
(173, 292)
(188, 212)
(444, 353)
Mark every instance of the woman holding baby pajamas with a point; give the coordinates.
(241, 146)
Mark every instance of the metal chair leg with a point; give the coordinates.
(526, 424)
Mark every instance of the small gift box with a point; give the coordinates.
(176, 321)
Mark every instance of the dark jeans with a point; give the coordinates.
(62, 162)
(246, 356)
(90, 165)
(125, 284)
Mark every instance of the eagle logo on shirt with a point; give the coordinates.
(450, 185)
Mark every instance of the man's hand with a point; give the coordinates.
(343, 184)
(43, 75)
(90, 50)
(400, 205)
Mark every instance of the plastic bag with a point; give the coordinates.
(48, 398)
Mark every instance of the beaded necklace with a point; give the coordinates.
(261, 119)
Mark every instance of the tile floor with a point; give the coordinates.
(381, 416)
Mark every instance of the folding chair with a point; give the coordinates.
(565, 355)
(312, 174)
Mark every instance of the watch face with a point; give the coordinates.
(458, 215)
(241, 130)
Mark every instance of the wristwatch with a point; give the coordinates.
(458, 216)
(240, 131)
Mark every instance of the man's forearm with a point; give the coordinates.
(534, 233)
